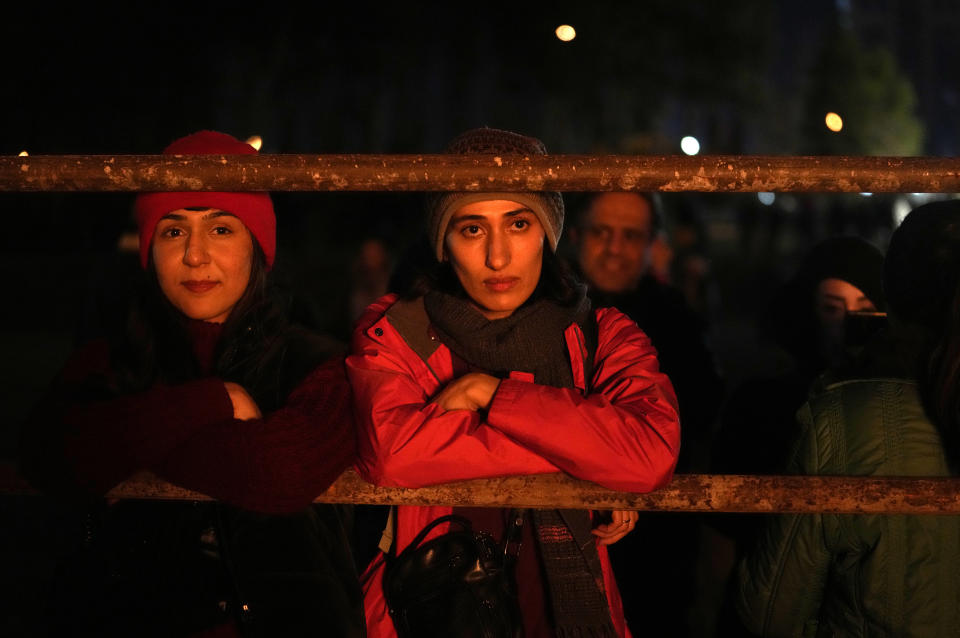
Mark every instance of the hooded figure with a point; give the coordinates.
(892, 411)
(807, 318)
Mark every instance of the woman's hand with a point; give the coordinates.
(473, 391)
(244, 407)
(622, 523)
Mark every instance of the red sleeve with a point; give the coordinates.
(84, 437)
(624, 435)
(403, 440)
(281, 462)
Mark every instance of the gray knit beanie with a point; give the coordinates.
(548, 205)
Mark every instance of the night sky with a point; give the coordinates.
(359, 77)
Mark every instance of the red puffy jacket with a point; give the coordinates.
(624, 435)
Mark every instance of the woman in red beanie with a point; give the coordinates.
(211, 388)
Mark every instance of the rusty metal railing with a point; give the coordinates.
(686, 493)
(692, 492)
(479, 172)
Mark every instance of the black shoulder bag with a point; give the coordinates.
(458, 584)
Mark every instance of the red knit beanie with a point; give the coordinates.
(255, 210)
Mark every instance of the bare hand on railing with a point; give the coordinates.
(473, 391)
(244, 407)
(621, 523)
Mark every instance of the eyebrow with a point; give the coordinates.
(512, 213)
(210, 215)
(839, 298)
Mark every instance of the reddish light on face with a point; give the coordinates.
(614, 244)
(834, 299)
(203, 260)
(496, 250)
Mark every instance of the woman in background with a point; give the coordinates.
(893, 411)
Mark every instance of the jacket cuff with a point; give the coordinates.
(505, 399)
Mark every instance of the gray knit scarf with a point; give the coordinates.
(532, 340)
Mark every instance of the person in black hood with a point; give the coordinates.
(892, 410)
(808, 319)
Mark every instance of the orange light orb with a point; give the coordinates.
(834, 122)
(566, 33)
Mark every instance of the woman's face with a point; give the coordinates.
(496, 250)
(203, 260)
(834, 299)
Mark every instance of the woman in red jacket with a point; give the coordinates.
(210, 388)
(496, 365)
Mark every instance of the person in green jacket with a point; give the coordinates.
(895, 411)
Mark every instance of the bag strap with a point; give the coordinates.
(386, 538)
(513, 537)
(415, 543)
(243, 612)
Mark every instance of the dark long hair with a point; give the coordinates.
(155, 345)
(419, 272)
(922, 281)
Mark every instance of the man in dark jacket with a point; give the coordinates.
(615, 237)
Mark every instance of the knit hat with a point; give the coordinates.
(255, 210)
(547, 205)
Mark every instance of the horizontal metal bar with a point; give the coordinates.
(686, 493)
(478, 173)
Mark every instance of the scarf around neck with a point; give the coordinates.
(532, 340)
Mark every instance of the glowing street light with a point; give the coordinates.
(566, 33)
(255, 141)
(690, 145)
(23, 154)
(834, 122)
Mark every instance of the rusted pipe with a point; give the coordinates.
(480, 172)
(686, 493)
